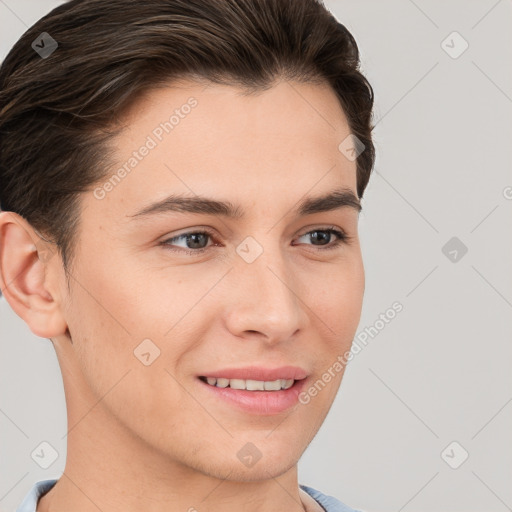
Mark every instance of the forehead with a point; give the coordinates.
(216, 140)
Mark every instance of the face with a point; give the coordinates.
(162, 300)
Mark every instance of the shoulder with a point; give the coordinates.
(29, 503)
(329, 503)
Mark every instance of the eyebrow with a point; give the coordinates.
(334, 200)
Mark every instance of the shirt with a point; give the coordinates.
(328, 503)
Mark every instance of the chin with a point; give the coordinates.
(235, 472)
(249, 463)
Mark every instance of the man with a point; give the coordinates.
(180, 186)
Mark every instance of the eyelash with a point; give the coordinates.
(342, 238)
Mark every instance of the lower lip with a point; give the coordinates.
(259, 402)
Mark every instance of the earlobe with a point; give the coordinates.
(23, 268)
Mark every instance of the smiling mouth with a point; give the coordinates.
(249, 384)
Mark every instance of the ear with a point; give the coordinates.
(24, 257)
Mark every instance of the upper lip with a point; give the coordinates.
(259, 373)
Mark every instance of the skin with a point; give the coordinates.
(150, 437)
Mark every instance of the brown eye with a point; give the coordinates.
(194, 242)
(323, 236)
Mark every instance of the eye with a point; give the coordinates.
(192, 240)
(323, 235)
(196, 241)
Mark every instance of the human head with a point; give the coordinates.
(57, 114)
(69, 120)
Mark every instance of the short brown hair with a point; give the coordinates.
(57, 113)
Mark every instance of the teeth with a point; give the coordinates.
(221, 383)
(274, 385)
(251, 385)
(237, 384)
(254, 385)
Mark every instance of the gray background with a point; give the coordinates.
(440, 370)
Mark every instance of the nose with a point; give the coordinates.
(269, 299)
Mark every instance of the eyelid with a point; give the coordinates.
(189, 231)
(342, 237)
(325, 227)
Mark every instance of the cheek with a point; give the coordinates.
(125, 317)
(108, 333)
(100, 341)
(338, 299)
(337, 312)
(106, 323)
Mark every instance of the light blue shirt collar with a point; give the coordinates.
(29, 504)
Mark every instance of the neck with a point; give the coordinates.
(98, 476)
(110, 469)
